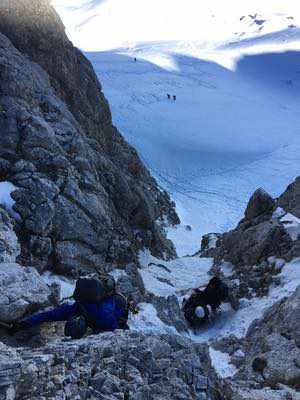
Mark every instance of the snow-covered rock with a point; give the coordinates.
(292, 225)
(221, 363)
(6, 200)
(269, 368)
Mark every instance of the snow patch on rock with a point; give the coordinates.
(292, 225)
(6, 189)
(230, 322)
(178, 277)
(278, 213)
(212, 241)
(66, 285)
(165, 278)
(147, 321)
(221, 363)
(226, 268)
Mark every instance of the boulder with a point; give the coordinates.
(290, 199)
(22, 291)
(249, 245)
(169, 311)
(130, 283)
(209, 244)
(260, 203)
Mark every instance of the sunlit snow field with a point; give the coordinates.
(235, 125)
(235, 69)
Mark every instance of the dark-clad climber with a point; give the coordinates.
(197, 307)
(174, 97)
(95, 307)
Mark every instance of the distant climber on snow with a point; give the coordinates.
(198, 307)
(174, 97)
(97, 306)
(169, 96)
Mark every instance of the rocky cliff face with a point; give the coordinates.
(83, 195)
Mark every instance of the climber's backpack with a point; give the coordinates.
(88, 291)
(91, 290)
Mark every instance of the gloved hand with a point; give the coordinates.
(18, 326)
(133, 308)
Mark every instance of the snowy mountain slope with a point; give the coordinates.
(256, 24)
(105, 24)
(229, 131)
(235, 72)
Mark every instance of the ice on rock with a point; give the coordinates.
(292, 225)
(6, 189)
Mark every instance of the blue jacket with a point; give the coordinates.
(105, 316)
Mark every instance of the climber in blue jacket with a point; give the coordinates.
(108, 314)
(105, 316)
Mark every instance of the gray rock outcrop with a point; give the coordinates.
(262, 242)
(258, 236)
(9, 245)
(261, 233)
(276, 338)
(252, 244)
(109, 366)
(22, 291)
(290, 199)
(83, 195)
(260, 203)
(269, 368)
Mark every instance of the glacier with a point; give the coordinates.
(233, 127)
